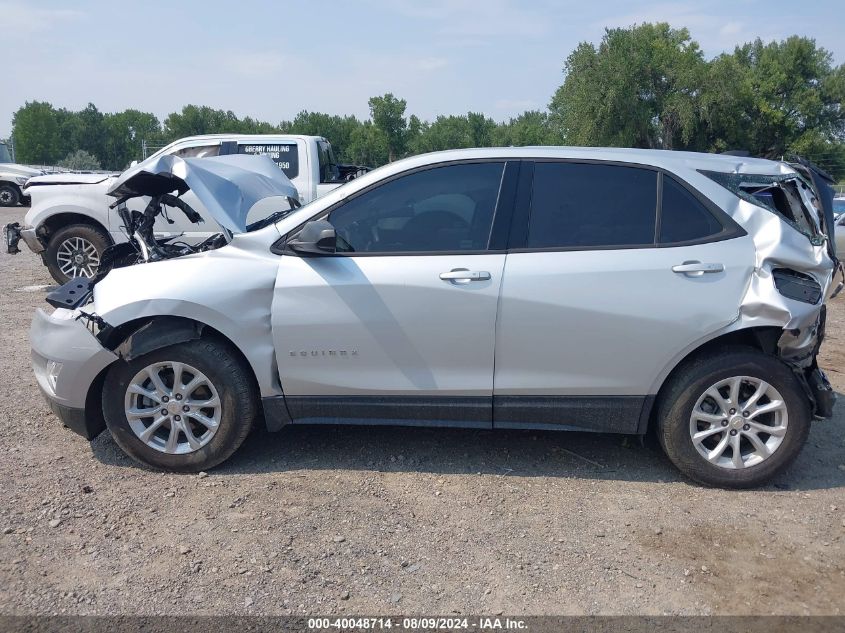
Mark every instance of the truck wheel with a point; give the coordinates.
(9, 195)
(733, 419)
(184, 408)
(75, 251)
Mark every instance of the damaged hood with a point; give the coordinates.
(227, 186)
(69, 178)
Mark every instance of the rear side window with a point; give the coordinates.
(285, 155)
(587, 205)
(683, 217)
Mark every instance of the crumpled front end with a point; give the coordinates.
(67, 359)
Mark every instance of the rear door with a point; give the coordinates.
(603, 287)
(399, 325)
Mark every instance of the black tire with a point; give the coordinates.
(94, 235)
(676, 404)
(231, 377)
(10, 195)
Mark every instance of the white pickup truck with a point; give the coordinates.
(12, 179)
(70, 224)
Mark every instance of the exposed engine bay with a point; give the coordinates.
(229, 187)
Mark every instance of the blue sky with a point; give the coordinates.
(270, 59)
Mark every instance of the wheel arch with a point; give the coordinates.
(57, 221)
(146, 334)
(762, 338)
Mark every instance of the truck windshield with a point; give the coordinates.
(5, 156)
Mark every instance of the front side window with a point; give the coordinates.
(682, 216)
(198, 151)
(285, 155)
(577, 205)
(442, 209)
(328, 165)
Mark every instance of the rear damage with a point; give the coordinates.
(789, 217)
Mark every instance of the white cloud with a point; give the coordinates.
(21, 21)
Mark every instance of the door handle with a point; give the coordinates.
(696, 269)
(462, 275)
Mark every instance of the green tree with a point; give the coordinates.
(193, 120)
(388, 115)
(338, 130)
(84, 130)
(124, 132)
(529, 128)
(639, 88)
(453, 132)
(35, 128)
(775, 98)
(368, 145)
(80, 160)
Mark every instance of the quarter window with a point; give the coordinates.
(436, 210)
(588, 205)
(682, 216)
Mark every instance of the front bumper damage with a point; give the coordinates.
(67, 359)
(14, 233)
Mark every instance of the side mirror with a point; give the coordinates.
(317, 237)
(133, 163)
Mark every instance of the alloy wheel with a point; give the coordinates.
(738, 422)
(172, 407)
(77, 257)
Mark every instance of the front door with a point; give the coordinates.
(399, 326)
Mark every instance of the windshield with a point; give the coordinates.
(5, 156)
(787, 195)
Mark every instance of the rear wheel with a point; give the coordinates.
(185, 407)
(75, 251)
(10, 196)
(733, 420)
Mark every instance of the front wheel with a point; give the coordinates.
(75, 251)
(185, 408)
(734, 419)
(10, 196)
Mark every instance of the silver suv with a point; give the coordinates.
(581, 289)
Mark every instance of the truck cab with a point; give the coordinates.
(70, 223)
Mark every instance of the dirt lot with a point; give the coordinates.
(414, 521)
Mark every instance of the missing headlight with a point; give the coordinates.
(798, 286)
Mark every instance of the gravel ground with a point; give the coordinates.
(415, 521)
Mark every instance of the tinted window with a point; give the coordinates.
(285, 155)
(442, 209)
(580, 205)
(682, 216)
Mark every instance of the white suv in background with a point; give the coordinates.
(70, 224)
